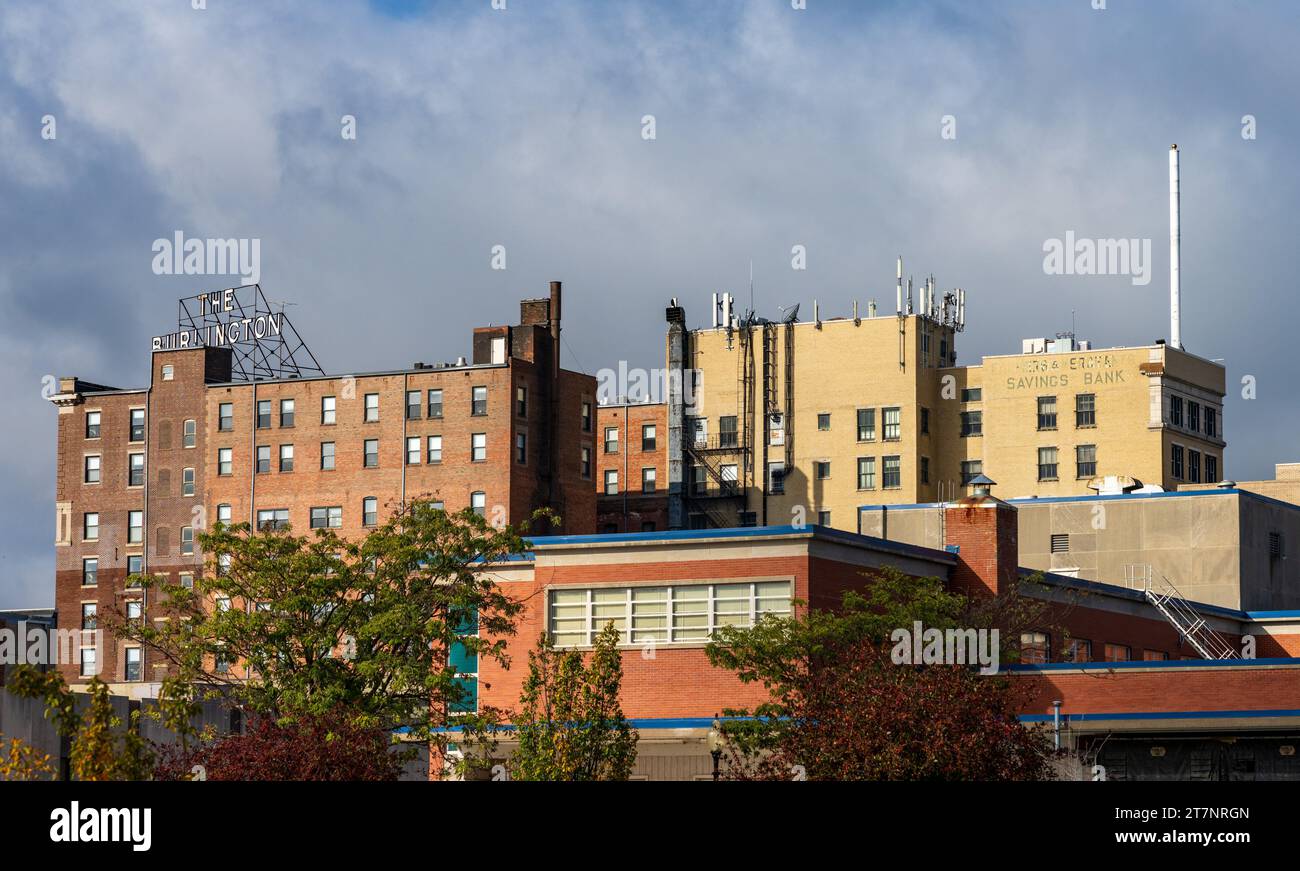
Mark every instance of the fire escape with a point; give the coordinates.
(1174, 608)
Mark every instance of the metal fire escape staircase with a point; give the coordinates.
(1174, 608)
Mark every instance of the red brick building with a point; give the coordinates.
(631, 468)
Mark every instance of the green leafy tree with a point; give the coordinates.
(571, 725)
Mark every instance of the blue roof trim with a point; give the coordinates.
(1271, 615)
(1049, 500)
(1125, 593)
(1138, 664)
(639, 723)
(1165, 715)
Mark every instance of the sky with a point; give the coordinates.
(961, 135)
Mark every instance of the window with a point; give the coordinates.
(478, 447)
(412, 450)
(1085, 461)
(611, 440)
(892, 473)
(273, 518)
(866, 424)
(586, 417)
(1211, 422)
(521, 448)
(190, 433)
(699, 481)
(1176, 410)
(1193, 416)
(972, 394)
(925, 470)
(286, 458)
(648, 479)
(822, 469)
(1078, 650)
(223, 513)
(970, 470)
(327, 456)
(823, 518)
(893, 424)
(89, 571)
(1211, 469)
(521, 401)
(478, 502)
(187, 482)
(264, 414)
(187, 540)
(972, 423)
(866, 473)
(187, 580)
(1085, 409)
(225, 463)
(134, 527)
(137, 424)
(330, 517)
(412, 405)
(925, 421)
(1046, 412)
(1154, 656)
(1060, 542)
(263, 458)
(478, 401)
(371, 453)
(435, 403)
(89, 665)
(1034, 648)
(823, 421)
(90, 526)
(286, 412)
(133, 655)
(92, 424)
(135, 470)
(134, 566)
(776, 478)
(89, 616)
(1047, 464)
(372, 407)
(729, 480)
(1118, 653)
(648, 432)
(370, 511)
(226, 416)
(681, 613)
(1176, 461)
(611, 482)
(328, 410)
(1194, 466)
(434, 446)
(168, 372)
(584, 463)
(90, 469)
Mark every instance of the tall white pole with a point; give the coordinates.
(1175, 238)
(900, 284)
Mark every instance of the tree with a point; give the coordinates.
(571, 725)
(287, 626)
(841, 709)
(21, 761)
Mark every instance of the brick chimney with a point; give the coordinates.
(983, 529)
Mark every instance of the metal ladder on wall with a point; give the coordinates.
(1170, 603)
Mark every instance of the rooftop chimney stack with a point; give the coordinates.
(1175, 238)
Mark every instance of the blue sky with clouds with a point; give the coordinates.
(522, 128)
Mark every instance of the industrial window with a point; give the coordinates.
(263, 458)
(224, 462)
(187, 540)
(823, 518)
(1154, 656)
(478, 401)
(92, 424)
(679, 613)
(370, 511)
(327, 456)
(776, 478)
(286, 458)
(286, 412)
(584, 462)
(137, 424)
(1118, 653)
(972, 394)
(478, 446)
(648, 479)
(273, 518)
(925, 470)
(1085, 457)
(521, 401)
(1176, 410)
(90, 526)
(133, 655)
(190, 433)
(521, 448)
(1275, 545)
(328, 409)
(866, 424)
(1035, 648)
(1085, 409)
(226, 416)
(1046, 412)
(1193, 416)
(371, 453)
(866, 473)
(649, 433)
(412, 450)
(1194, 466)
(435, 403)
(134, 527)
(434, 446)
(586, 417)
(330, 516)
(1211, 422)
(925, 421)
(822, 469)
(1047, 464)
(823, 421)
(372, 407)
(413, 405)
(478, 503)
(1176, 461)
(892, 473)
(89, 616)
(972, 423)
(187, 482)
(1211, 469)
(971, 469)
(1060, 542)
(611, 440)
(90, 469)
(264, 414)
(1078, 650)
(893, 424)
(223, 513)
(611, 482)
(135, 470)
(89, 664)
(90, 571)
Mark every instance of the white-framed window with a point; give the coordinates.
(273, 518)
(478, 502)
(225, 461)
(434, 445)
(187, 482)
(478, 447)
(226, 416)
(89, 662)
(223, 513)
(611, 482)
(135, 470)
(168, 372)
(413, 450)
(89, 571)
(134, 527)
(286, 458)
(187, 540)
(893, 424)
(680, 613)
(134, 662)
(327, 456)
(478, 401)
(190, 432)
(611, 440)
(328, 409)
(370, 511)
(372, 407)
(93, 419)
(327, 517)
(90, 526)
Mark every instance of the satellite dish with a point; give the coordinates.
(791, 314)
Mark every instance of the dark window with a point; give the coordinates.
(286, 458)
(925, 421)
(89, 572)
(1176, 461)
(822, 469)
(1047, 412)
(370, 511)
(892, 473)
(727, 436)
(92, 424)
(521, 448)
(1086, 461)
(972, 394)
(412, 405)
(1193, 416)
(925, 470)
(866, 424)
(648, 435)
(824, 421)
(1211, 469)
(970, 469)
(1211, 422)
(521, 401)
(586, 417)
(263, 458)
(1176, 410)
(327, 456)
(226, 416)
(435, 403)
(1035, 647)
(478, 402)
(264, 414)
(866, 473)
(371, 453)
(1047, 464)
(1194, 466)
(1085, 409)
(972, 423)
(137, 424)
(585, 462)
